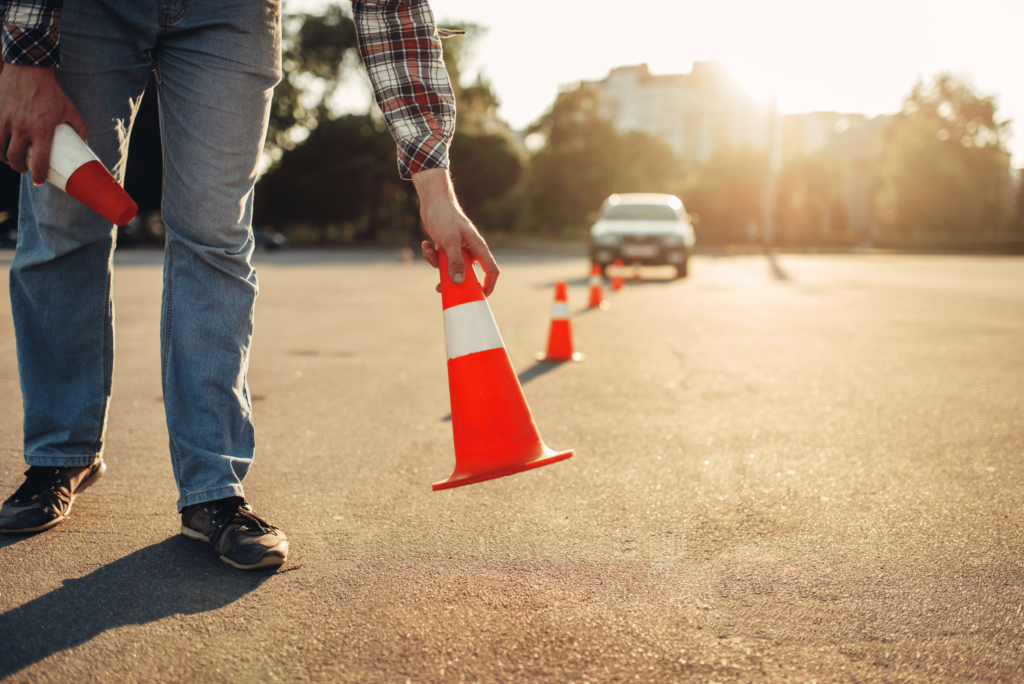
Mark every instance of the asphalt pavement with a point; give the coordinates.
(802, 468)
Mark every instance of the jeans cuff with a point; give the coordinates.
(203, 497)
(62, 461)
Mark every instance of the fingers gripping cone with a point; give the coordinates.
(596, 288)
(75, 169)
(494, 430)
(560, 335)
(617, 280)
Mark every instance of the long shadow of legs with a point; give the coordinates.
(172, 577)
(535, 371)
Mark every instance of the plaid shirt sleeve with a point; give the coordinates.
(401, 50)
(30, 34)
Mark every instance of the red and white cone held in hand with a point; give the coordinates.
(75, 169)
(560, 335)
(494, 430)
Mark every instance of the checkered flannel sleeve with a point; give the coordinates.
(401, 50)
(30, 33)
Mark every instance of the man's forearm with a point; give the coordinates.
(401, 50)
(434, 185)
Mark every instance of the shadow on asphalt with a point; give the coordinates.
(175, 576)
(535, 371)
(585, 282)
(777, 270)
(11, 539)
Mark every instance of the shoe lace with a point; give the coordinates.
(40, 480)
(236, 511)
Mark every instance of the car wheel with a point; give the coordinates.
(682, 269)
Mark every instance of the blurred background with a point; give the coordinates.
(790, 124)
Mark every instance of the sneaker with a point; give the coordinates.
(44, 499)
(243, 539)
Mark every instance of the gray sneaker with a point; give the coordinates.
(243, 539)
(44, 499)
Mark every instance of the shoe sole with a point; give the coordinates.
(89, 481)
(268, 561)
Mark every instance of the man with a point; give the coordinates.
(216, 65)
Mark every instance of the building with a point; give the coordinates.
(695, 113)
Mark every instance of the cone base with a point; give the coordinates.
(548, 457)
(542, 356)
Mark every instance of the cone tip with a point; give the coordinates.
(469, 290)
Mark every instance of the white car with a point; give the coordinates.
(650, 228)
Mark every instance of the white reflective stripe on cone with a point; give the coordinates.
(559, 310)
(67, 153)
(470, 328)
(55, 178)
(595, 280)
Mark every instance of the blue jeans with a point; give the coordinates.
(217, 63)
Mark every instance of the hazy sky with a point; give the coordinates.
(810, 54)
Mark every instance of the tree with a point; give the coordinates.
(318, 51)
(809, 205)
(944, 162)
(1019, 204)
(583, 160)
(485, 168)
(727, 193)
(344, 173)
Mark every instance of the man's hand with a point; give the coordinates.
(32, 103)
(451, 230)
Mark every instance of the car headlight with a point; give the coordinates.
(607, 240)
(673, 240)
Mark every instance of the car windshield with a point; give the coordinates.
(640, 212)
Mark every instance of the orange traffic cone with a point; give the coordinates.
(617, 280)
(560, 335)
(637, 267)
(596, 291)
(494, 430)
(75, 169)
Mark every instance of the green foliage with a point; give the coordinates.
(727, 193)
(315, 60)
(1018, 217)
(944, 162)
(343, 175)
(809, 205)
(583, 160)
(485, 168)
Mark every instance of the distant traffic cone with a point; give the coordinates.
(637, 267)
(596, 290)
(617, 279)
(560, 335)
(75, 169)
(494, 430)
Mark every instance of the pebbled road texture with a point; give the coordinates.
(803, 468)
